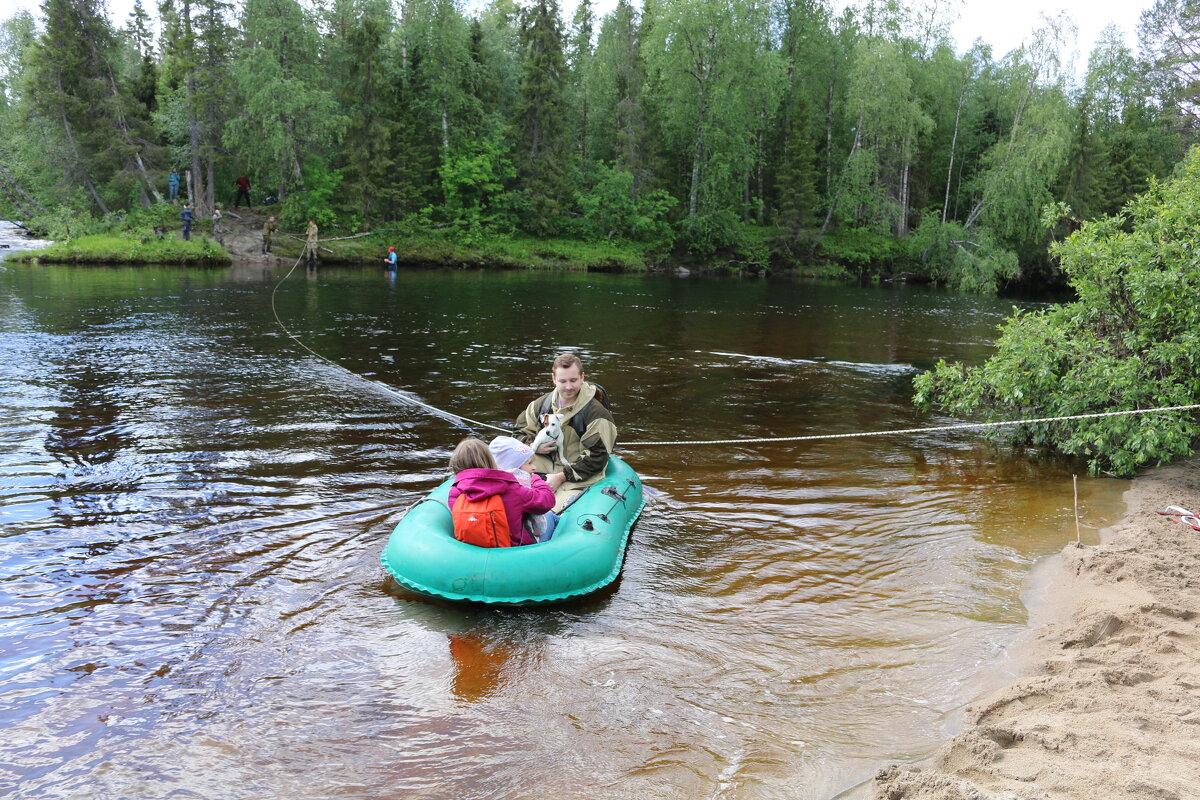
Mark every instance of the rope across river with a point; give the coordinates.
(409, 399)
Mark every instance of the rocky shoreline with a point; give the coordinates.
(1109, 702)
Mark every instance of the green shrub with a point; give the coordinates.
(966, 261)
(1131, 340)
(316, 200)
(860, 248)
(611, 209)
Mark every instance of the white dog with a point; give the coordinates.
(551, 433)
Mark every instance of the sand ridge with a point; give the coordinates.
(1110, 708)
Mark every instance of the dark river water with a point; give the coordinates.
(193, 508)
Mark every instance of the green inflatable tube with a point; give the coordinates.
(585, 554)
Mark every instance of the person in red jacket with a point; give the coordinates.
(243, 190)
(477, 476)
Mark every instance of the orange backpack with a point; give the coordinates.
(482, 523)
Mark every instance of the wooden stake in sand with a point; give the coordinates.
(1075, 483)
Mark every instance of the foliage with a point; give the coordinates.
(474, 178)
(699, 53)
(796, 178)
(656, 121)
(860, 248)
(1131, 340)
(966, 261)
(287, 111)
(543, 157)
(611, 208)
(316, 200)
(63, 222)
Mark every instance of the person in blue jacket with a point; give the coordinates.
(187, 217)
(173, 185)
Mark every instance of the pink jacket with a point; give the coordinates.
(478, 484)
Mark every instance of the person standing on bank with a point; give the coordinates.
(218, 226)
(173, 185)
(310, 242)
(268, 229)
(589, 433)
(243, 190)
(187, 217)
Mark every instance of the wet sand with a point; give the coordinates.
(1107, 704)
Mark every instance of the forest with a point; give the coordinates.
(786, 132)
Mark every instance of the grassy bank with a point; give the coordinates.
(431, 248)
(111, 248)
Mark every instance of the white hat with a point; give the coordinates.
(509, 453)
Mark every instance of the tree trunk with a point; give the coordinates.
(829, 141)
(694, 191)
(87, 180)
(445, 134)
(211, 189)
(760, 210)
(833, 201)
(746, 199)
(17, 194)
(902, 222)
(953, 145)
(195, 187)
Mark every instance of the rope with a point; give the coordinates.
(964, 426)
(409, 399)
(403, 397)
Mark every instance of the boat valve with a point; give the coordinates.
(587, 525)
(611, 491)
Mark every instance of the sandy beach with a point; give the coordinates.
(1108, 702)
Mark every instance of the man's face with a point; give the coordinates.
(567, 381)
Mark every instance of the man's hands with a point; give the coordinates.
(556, 480)
(545, 449)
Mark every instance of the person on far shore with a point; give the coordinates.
(389, 261)
(173, 185)
(477, 478)
(267, 230)
(310, 243)
(588, 434)
(218, 226)
(243, 190)
(187, 217)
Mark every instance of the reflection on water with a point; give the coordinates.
(192, 511)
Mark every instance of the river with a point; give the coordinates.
(192, 511)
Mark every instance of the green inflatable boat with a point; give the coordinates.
(585, 554)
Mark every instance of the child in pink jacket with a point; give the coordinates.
(477, 476)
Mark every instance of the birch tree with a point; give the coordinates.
(698, 54)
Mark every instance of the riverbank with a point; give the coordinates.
(117, 249)
(1109, 704)
(134, 242)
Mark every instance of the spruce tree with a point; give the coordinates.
(542, 118)
(796, 179)
(144, 86)
(358, 62)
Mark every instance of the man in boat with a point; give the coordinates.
(588, 432)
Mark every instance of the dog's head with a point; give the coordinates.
(553, 425)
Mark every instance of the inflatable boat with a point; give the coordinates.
(585, 554)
